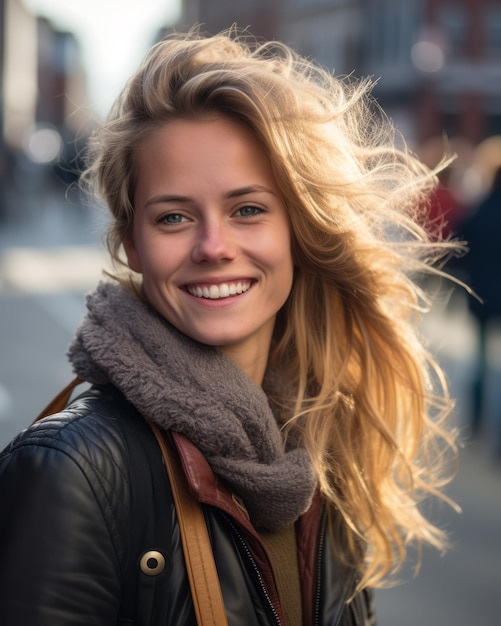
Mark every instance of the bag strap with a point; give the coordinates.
(59, 401)
(198, 555)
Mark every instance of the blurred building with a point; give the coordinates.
(438, 62)
(43, 86)
(327, 30)
(62, 92)
(262, 16)
(61, 78)
(18, 71)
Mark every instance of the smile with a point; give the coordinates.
(217, 292)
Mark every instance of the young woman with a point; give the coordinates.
(264, 313)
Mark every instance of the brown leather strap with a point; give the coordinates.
(59, 402)
(202, 573)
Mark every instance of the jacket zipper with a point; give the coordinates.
(356, 614)
(243, 543)
(320, 550)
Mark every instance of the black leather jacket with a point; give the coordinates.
(65, 522)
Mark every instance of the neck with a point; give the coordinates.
(251, 354)
(252, 362)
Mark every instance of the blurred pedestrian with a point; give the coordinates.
(264, 314)
(482, 271)
(446, 210)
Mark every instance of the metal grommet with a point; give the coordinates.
(152, 563)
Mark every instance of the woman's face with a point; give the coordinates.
(211, 236)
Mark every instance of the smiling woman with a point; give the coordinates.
(211, 236)
(261, 313)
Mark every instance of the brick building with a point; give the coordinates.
(438, 62)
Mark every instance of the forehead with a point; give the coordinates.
(187, 133)
(190, 149)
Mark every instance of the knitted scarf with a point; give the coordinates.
(198, 391)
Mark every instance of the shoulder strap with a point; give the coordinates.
(60, 400)
(198, 555)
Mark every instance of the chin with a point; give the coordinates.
(218, 342)
(217, 336)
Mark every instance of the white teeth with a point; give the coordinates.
(224, 291)
(215, 292)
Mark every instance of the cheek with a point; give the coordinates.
(160, 260)
(282, 263)
(132, 254)
(288, 276)
(281, 249)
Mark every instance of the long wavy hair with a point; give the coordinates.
(359, 386)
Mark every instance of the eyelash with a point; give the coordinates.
(254, 212)
(164, 219)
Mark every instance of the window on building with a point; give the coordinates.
(393, 26)
(452, 19)
(492, 30)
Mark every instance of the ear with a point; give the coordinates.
(133, 257)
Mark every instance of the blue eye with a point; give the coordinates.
(172, 218)
(249, 211)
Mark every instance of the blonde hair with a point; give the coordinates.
(368, 400)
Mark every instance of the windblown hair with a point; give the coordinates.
(368, 401)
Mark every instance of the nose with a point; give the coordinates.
(215, 243)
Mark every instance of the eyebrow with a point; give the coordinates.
(234, 193)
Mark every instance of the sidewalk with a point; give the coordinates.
(461, 587)
(50, 243)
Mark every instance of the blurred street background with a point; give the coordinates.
(438, 66)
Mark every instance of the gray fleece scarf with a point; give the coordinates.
(196, 390)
